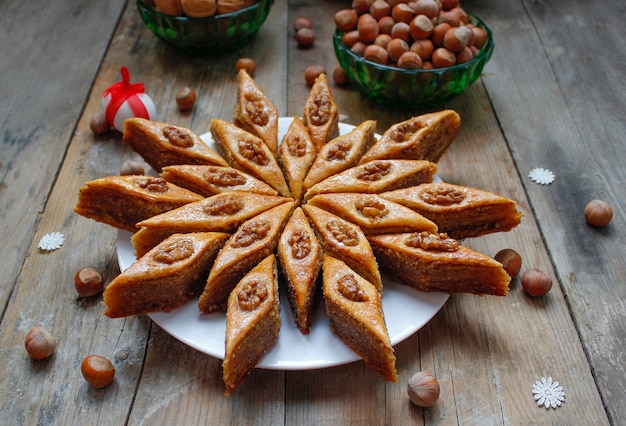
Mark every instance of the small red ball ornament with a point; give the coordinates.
(124, 100)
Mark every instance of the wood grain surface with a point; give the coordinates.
(552, 96)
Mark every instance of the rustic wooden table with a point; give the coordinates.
(552, 96)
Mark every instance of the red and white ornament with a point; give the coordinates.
(124, 100)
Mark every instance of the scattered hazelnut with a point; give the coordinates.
(305, 37)
(511, 261)
(99, 124)
(131, 168)
(423, 389)
(340, 76)
(39, 343)
(300, 23)
(88, 282)
(97, 370)
(598, 213)
(311, 73)
(186, 99)
(247, 64)
(536, 283)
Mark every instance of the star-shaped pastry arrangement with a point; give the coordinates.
(317, 212)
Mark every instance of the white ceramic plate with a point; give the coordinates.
(406, 311)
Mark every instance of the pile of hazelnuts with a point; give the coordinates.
(415, 34)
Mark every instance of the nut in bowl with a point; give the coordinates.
(212, 35)
(418, 88)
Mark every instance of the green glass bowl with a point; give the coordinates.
(412, 89)
(210, 36)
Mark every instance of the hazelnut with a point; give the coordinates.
(305, 37)
(443, 58)
(380, 8)
(340, 76)
(536, 283)
(376, 53)
(424, 48)
(99, 124)
(300, 23)
(131, 168)
(401, 30)
(386, 24)
(186, 99)
(480, 36)
(350, 38)
(423, 389)
(247, 64)
(97, 370)
(402, 12)
(396, 48)
(464, 55)
(346, 19)
(368, 28)
(430, 8)
(382, 40)
(511, 261)
(410, 60)
(88, 282)
(39, 343)
(456, 39)
(361, 6)
(598, 213)
(311, 73)
(421, 27)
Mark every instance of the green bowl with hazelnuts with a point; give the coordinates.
(416, 73)
(210, 32)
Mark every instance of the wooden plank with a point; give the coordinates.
(49, 59)
(559, 101)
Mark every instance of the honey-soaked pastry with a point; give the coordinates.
(171, 274)
(321, 115)
(341, 153)
(295, 156)
(254, 240)
(354, 308)
(376, 177)
(223, 212)
(254, 111)
(248, 153)
(211, 180)
(252, 322)
(300, 260)
(435, 262)
(345, 241)
(122, 201)
(372, 213)
(459, 211)
(162, 144)
(425, 137)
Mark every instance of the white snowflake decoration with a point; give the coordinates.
(51, 241)
(548, 393)
(541, 176)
